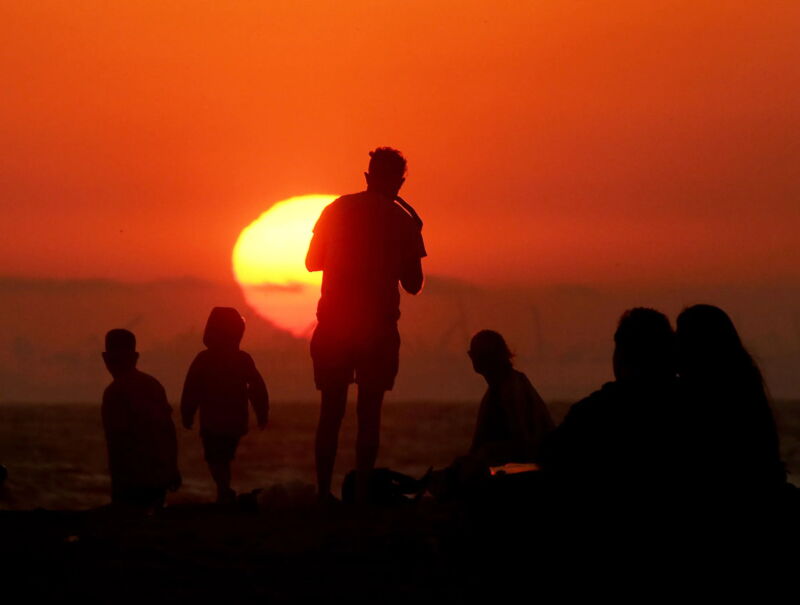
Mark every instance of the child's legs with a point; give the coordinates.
(220, 451)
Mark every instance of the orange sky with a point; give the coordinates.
(547, 141)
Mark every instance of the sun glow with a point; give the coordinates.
(269, 263)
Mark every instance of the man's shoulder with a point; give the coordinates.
(347, 202)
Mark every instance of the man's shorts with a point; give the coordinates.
(219, 449)
(370, 360)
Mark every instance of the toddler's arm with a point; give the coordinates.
(192, 392)
(257, 393)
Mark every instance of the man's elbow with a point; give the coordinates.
(413, 285)
(313, 264)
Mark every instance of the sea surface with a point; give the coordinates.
(56, 458)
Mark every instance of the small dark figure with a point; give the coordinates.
(734, 446)
(220, 382)
(513, 421)
(364, 244)
(140, 434)
(620, 439)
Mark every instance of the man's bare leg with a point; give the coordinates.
(331, 413)
(370, 402)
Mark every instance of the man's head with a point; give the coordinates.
(120, 355)
(387, 171)
(645, 346)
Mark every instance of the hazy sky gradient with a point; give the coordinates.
(547, 141)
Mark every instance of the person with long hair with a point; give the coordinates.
(734, 442)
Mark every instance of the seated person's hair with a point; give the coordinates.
(120, 341)
(387, 163)
(490, 346)
(645, 342)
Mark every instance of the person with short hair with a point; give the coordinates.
(219, 384)
(364, 244)
(621, 438)
(139, 431)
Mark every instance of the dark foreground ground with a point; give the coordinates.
(426, 552)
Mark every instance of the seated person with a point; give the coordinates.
(618, 438)
(513, 421)
(140, 434)
(734, 445)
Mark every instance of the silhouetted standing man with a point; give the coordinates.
(364, 244)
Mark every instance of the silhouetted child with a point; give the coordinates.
(140, 434)
(219, 384)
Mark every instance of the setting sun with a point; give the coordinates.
(269, 263)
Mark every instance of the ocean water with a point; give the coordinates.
(56, 457)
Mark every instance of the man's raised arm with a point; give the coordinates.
(315, 257)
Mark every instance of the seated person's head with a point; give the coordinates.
(489, 353)
(644, 346)
(387, 171)
(708, 344)
(120, 355)
(224, 329)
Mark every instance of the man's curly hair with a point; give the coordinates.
(386, 162)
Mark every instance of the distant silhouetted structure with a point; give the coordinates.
(734, 446)
(364, 244)
(220, 382)
(513, 421)
(140, 434)
(621, 439)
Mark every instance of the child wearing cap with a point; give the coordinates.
(219, 384)
(140, 434)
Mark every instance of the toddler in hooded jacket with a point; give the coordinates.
(220, 383)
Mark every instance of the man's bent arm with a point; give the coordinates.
(315, 255)
(412, 277)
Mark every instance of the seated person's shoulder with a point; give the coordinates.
(596, 402)
(520, 378)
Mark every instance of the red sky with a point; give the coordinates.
(547, 141)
